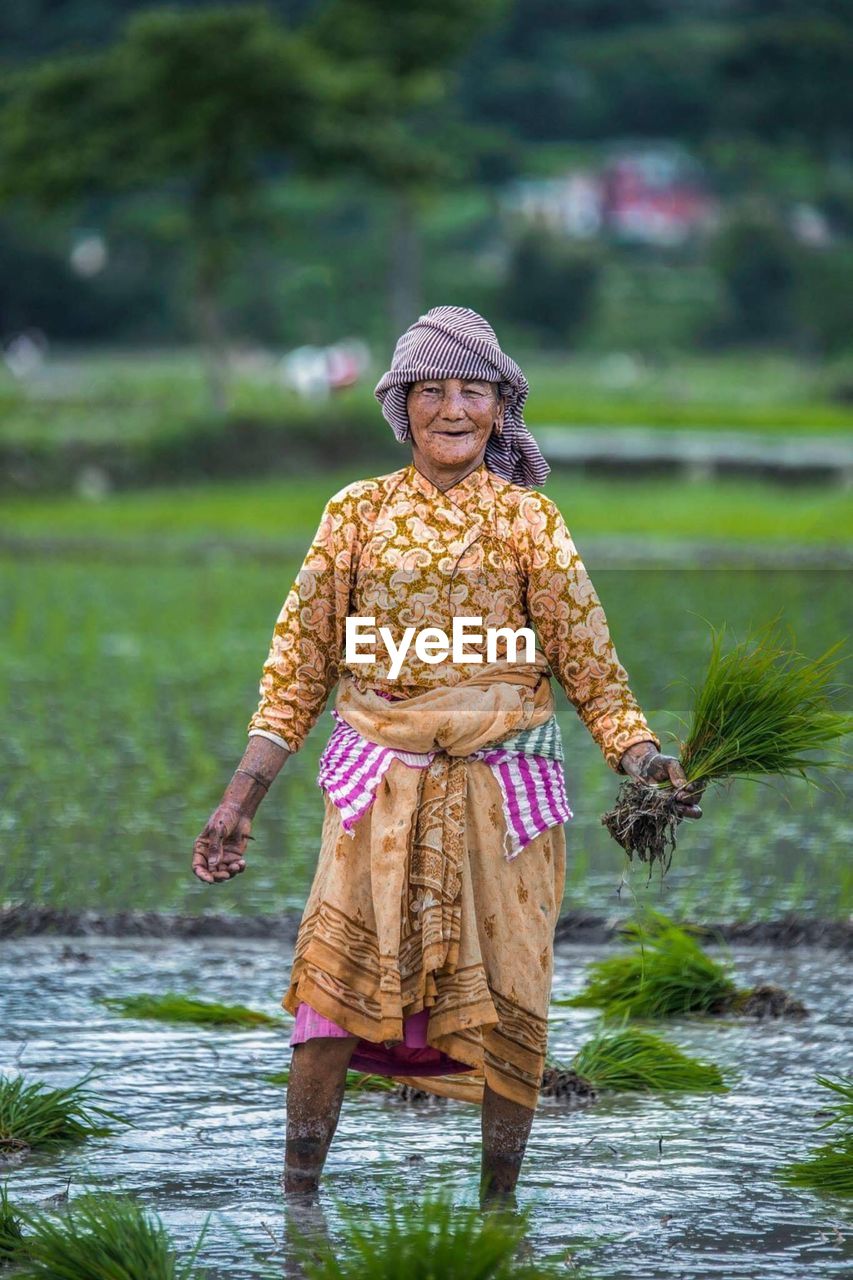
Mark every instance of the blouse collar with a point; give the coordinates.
(471, 484)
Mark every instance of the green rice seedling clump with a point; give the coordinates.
(11, 1234)
(35, 1116)
(669, 975)
(633, 1060)
(842, 1113)
(279, 1077)
(103, 1236)
(424, 1240)
(829, 1168)
(356, 1081)
(762, 709)
(177, 1008)
(367, 1082)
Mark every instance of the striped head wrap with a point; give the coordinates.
(455, 342)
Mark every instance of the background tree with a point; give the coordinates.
(203, 103)
(410, 141)
(551, 285)
(787, 77)
(757, 261)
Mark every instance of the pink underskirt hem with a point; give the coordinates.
(414, 1057)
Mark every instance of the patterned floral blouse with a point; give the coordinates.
(398, 549)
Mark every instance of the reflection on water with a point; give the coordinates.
(647, 1187)
(129, 688)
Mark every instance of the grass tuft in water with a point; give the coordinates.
(11, 1233)
(356, 1081)
(427, 1239)
(763, 708)
(368, 1082)
(828, 1168)
(35, 1116)
(177, 1008)
(669, 975)
(279, 1077)
(631, 1060)
(105, 1237)
(842, 1114)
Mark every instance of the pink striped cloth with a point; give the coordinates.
(533, 787)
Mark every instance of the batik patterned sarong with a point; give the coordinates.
(419, 908)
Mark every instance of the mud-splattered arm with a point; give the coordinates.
(307, 646)
(565, 610)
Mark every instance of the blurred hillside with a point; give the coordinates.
(654, 176)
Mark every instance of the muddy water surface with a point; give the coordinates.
(646, 1187)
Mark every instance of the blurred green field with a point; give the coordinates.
(286, 511)
(129, 686)
(141, 396)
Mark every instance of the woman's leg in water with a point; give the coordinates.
(506, 1128)
(314, 1095)
(315, 1090)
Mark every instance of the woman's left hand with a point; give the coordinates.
(645, 763)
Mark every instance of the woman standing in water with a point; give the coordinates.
(425, 950)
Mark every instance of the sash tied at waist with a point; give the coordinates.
(422, 853)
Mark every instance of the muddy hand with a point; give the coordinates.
(656, 767)
(219, 852)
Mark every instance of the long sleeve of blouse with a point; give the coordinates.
(307, 647)
(554, 592)
(565, 610)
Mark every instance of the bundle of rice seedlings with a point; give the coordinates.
(668, 976)
(368, 1082)
(421, 1240)
(762, 709)
(671, 975)
(104, 1236)
(842, 1114)
(177, 1008)
(631, 1060)
(11, 1235)
(35, 1116)
(829, 1168)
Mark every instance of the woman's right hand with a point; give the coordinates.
(219, 852)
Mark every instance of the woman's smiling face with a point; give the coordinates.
(451, 420)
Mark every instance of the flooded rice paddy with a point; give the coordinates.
(632, 1186)
(128, 688)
